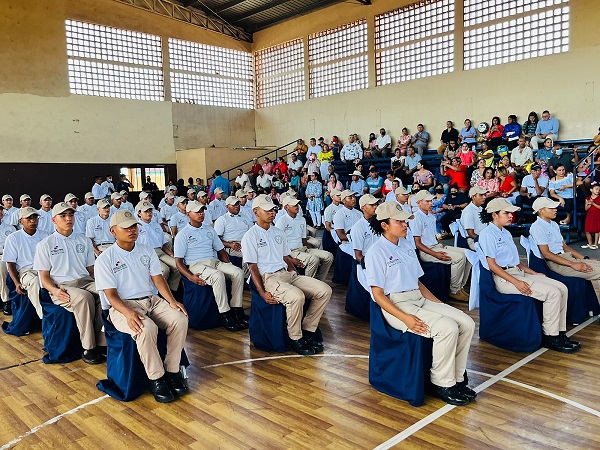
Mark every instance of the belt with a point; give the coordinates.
(136, 299)
(508, 267)
(106, 243)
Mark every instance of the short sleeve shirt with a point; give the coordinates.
(195, 244)
(265, 248)
(498, 244)
(151, 234)
(362, 236)
(179, 220)
(98, 229)
(19, 248)
(344, 218)
(217, 208)
(45, 223)
(65, 257)
(5, 230)
(330, 212)
(547, 233)
(294, 229)
(231, 228)
(530, 185)
(423, 226)
(471, 220)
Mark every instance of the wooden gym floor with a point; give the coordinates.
(243, 398)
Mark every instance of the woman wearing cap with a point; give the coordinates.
(393, 272)
(511, 276)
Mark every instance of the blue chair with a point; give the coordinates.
(24, 316)
(582, 296)
(199, 301)
(509, 321)
(329, 244)
(236, 261)
(399, 363)
(437, 279)
(62, 342)
(342, 268)
(126, 376)
(358, 300)
(268, 324)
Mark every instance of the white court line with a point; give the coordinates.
(440, 412)
(50, 422)
(268, 358)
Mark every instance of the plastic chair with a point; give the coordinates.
(436, 278)
(460, 234)
(358, 299)
(199, 301)
(24, 316)
(126, 376)
(62, 342)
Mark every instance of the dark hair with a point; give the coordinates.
(372, 137)
(545, 111)
(180, 182)
(376, 225)
(470, 123)
(496, 118)
(217, 172)
(190, 180)
(485, 216)
(97, 177)
(534, 114)
(490, 169)
(513, 117)
(404, 129)
(424, 164)
(390, 172)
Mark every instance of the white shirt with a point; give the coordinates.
(9, 217)
(345, 218)
(383, 140)
(547, 233)
(108, 187)
(65, 257)
(99, 191)
(264, 181)
(167, 211)
(45, 223)
(128, 272)
(128, 206)
(5, 230)
(393, 268)
(266, 248)
(294, 229)
(89, 210)
(81, 219)
(471, 220)
(295, 165)
(498, 244)
(195, 244)
(217, 208)
(179, 220)
(530, 184)
(423, 226)
(330, 211)
(242, 180)
(247, 212)
(19, 248)
(151, 234)
(362, 236)
(98, 230)
(232, 228)
(519, 158)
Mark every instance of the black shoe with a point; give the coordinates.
(102, 350)
(161, 391)
(229, 321)
(7, 308)
(567, 340)
(464, 389)
(242, 319)
(450, 395)
(176, 383)
(302, 347)
(311, 338)
(556, 343)
(92, 356)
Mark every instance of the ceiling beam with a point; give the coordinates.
(260, 9)
(297, 12)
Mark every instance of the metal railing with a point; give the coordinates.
(592, 171)
(278, 153)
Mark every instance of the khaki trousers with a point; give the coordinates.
(158, 315)
(460, 268)
(450, 329)
(169, 269)
(103, 247)
(31, 283)
(3, 287)
(314, 242)
(214, 273)
(291, 289)
(85, 305)
(553, 293)
(567, 271)
(245, 268)
(316, 262)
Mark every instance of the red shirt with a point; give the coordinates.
(281, 166)
(255, 169)
(458, 178)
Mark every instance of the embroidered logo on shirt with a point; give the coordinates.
(209, 235)
(278, 239)
(57, 251)
(261, 243)
(145, 260)
(119, 266)
(80, 248)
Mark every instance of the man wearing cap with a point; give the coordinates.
(5, 230)
(191, 194)
(346, 216)
(167, 211)
(203, 200)
(151, 234)
(316, 262)
(362, 233)
(126, 204)
(45, 213)
(533, 186)
(195, 247)
(98, 228)
(98, 190)
(471, 215)
(169, 190)
(358, 183)
(245, 207)
(128, 274)
(374, 182)
(80, 218)
(65, 263)
(430, 250)
(231, 228)
(108, 186)
(560, 258)
(9, 209)
(332, 209)
(25, 201)
(217, 206)
(88, 208)
(116, 201)
(267, 254)
(19, 251)
(180, 219)
(402, 199)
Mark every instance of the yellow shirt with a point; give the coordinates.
(326, 156)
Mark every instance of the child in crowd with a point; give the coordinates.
(592, 219)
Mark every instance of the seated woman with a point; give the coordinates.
(387, 183)
(332, 184)
(505, 162)
(511, 133)
(561, 189)
(494, 135)
(489, 182)
(397, 164)
(457, 174)
(393, 272)
(511, 276)
(280, 181)
(468, 135)
(325, 157)
(508, 184)
(372, 144)
(437, 208)
(281, 165)
(423, 176)
(404, 141)
(453, 205)
(478, 172)
(486, 154)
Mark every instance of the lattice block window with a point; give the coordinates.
(110, 62)
(280, 74)
(413, 22)
(480, 11)
(338, 43)
(342, 76)
(418, 60)
(206, 90)
(540, 34)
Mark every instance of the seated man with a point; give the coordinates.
(231, 228)
(5, 230)
(560, 258)
(362, 233)
(402, 199)
(346, 217)
(166, 211)
(25, 201)
(217, 206)
(267, 254)
(191, 194)
(332, 209)
(19, 250)
(65, 262)
(203, 200)
(80, 217)
(116, 200)
(470, 217)
(245, 207)
(88, 208)
(195, 248)
(546, 128)
(179, 220)
(45, 213)
(98, 228)
(521, 156)
(316, 262)
(128, 274)
(430, 250)
(126, 204)
(151, 234)
(533, 186)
